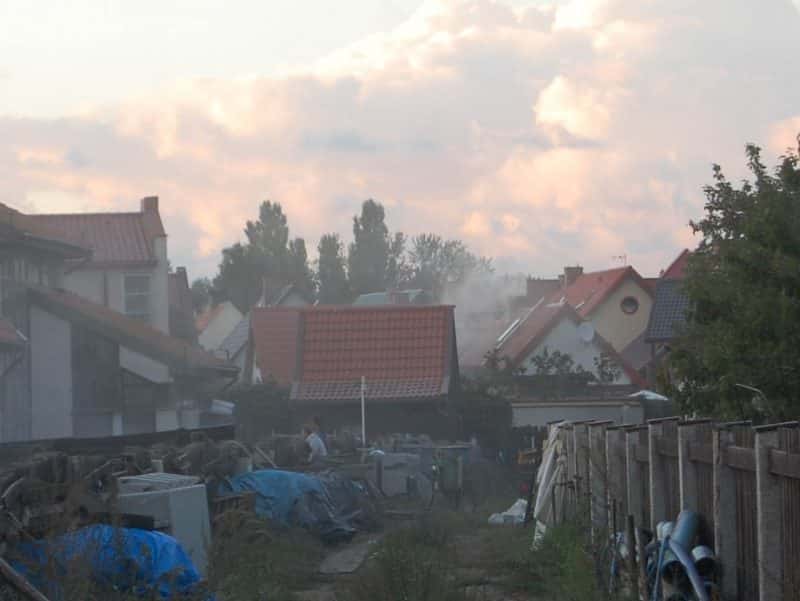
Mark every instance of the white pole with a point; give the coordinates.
(363, 413)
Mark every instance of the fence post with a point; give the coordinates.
(769, 501)
(598, 479)
(635, 484)
(688, 433)
(616, 469)
(580, 433)
(725, 513)
(569, 447)
(658, 492)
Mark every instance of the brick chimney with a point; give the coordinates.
(571, 274)
(150, 203)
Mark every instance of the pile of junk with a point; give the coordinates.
(141, 519)
(677, 565)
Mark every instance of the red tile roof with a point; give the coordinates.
(677, 269)
(114, 238)
(404, 352)
(19, 229)
(132, 333)
(590, 290)
(274, 334)
(533, 327)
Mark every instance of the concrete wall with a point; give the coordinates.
(616, 326)
(540, 414)
(564, 337)
(51, 376)
(223, 323)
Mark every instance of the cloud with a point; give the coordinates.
(541, 136)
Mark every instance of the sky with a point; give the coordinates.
(541, 133)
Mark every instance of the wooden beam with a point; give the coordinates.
(783, 463)
(701, 453)
(667, 448)
(740, 458)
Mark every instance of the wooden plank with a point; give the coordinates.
(641, 454)
(19, 582)
(783, 463)
(701, 453)
(740, 458)
(667, 447)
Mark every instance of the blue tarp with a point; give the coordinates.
(125, 559)
(295, 499)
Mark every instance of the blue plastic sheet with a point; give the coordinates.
(125, 559)
(295, 499)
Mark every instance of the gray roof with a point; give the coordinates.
(416, 296)
(235, 341)
(669, 311)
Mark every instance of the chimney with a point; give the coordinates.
(571, 274)
(150, 203)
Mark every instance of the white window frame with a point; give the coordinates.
(125, 295)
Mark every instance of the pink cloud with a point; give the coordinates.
(541, 136)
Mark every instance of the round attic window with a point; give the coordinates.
(629, 305)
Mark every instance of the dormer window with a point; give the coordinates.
(629, 305)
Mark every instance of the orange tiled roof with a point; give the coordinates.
(405, 353)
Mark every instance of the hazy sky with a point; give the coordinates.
(540, 133)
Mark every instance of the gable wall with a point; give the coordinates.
(617, 327)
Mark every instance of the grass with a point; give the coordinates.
(252, 560)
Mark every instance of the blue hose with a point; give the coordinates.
(691, 570)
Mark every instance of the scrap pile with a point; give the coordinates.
(58, 506)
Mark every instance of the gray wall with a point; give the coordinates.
(51, 376)
(540, 414)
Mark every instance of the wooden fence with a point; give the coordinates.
(743, 480)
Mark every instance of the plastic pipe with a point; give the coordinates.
(691, 571)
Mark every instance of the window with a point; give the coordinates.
(137, 296)
(629, 305)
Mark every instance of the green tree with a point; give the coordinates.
(436, 264)
(371, 250)
(267, 262)
(552, 371)
(237, 279)
(299, 270)
(333, 287)
(739, 356)
(201, 294)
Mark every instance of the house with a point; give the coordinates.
(406, 355)
(617, 301)
(235, 346)
(597, 384)
(216, 323)
(96, 372)
(74, 367)
(127, 269)
(181, 311)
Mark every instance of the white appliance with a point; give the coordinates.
(178, 505)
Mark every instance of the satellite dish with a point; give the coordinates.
(586, 332)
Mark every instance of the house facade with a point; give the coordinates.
(72, 366)
(128, 268)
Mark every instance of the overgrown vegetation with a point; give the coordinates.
(252, 560)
